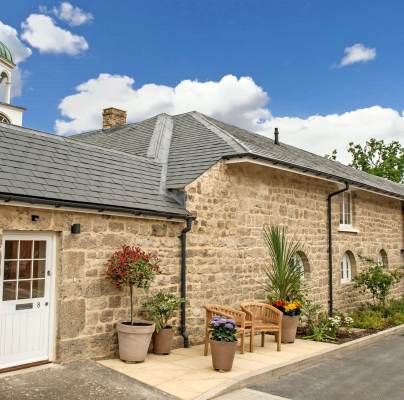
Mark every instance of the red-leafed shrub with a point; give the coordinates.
(133, 267)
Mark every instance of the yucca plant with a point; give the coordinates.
(283, 274)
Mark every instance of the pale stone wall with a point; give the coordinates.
(226, 250)
(226, 254)
(87, 304)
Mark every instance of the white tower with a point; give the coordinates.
(9, 113)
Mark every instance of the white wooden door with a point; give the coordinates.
(25, 296)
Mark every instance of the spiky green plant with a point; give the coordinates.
(283, 274)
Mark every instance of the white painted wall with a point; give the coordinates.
(14, 114)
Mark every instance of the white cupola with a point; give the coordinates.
(9, 113)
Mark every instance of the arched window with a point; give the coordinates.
(347, 264)
(382, 258)
(4, 119)
(302, 262)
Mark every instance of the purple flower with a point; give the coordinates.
(228, 325)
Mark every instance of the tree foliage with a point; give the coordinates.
(378, 281)
(379, 158)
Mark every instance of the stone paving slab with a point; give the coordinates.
(249, 394)
(76, 381)
(188, 374)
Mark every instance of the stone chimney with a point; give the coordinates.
(113, 117)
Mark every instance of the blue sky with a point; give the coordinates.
(290, 49)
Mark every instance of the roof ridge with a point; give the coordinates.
(75, 141)
(162, 132)
(116, 127)
(236, 144)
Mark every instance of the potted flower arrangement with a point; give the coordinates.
(161, 308)
(283, 278)
(132, 267)
(223, 343)
(291, 311)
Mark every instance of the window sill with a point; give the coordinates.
(348, 229)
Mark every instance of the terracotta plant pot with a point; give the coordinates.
(289, 328)
(223, 354)
(162, 341)
(134, 340)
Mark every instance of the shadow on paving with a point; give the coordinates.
(76, 381)
(368, 373)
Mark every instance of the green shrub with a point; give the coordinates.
(395, 307)
(161, 308)
(327, 329)
(377, 280)
(369, 319)
(396, 319)
(395, 312)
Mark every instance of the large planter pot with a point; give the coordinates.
(162, 341)
(223, 354)
(134, 340)
(289, 328)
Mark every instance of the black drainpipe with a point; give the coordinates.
(329, 226)
(183, 238)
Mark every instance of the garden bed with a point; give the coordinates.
(366, 321)
(343, 337)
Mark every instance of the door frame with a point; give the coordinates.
(51, 236)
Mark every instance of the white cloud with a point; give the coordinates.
(322, 133)
(20, 53)
(239, 101)
(41, 32)
(231, 98)
(358, 53)
(9, 36)
(74, 16)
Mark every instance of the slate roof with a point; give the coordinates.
(50, 167)
(259, 145)
(199, 141)
(110, 169)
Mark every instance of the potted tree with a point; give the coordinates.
(161, 308)
(132, 267)
(283, 278)
(223, 343)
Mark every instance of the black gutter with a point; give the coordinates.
(93, 206)
(183, 238)
(329, 228)
(314, 172)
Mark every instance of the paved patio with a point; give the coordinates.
(187, 374)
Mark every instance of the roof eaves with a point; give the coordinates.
(7, 197)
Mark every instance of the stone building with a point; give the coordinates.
(194, 190)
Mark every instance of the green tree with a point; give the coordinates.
(378, 158)
(332, 156)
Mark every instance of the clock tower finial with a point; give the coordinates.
(9, 113)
